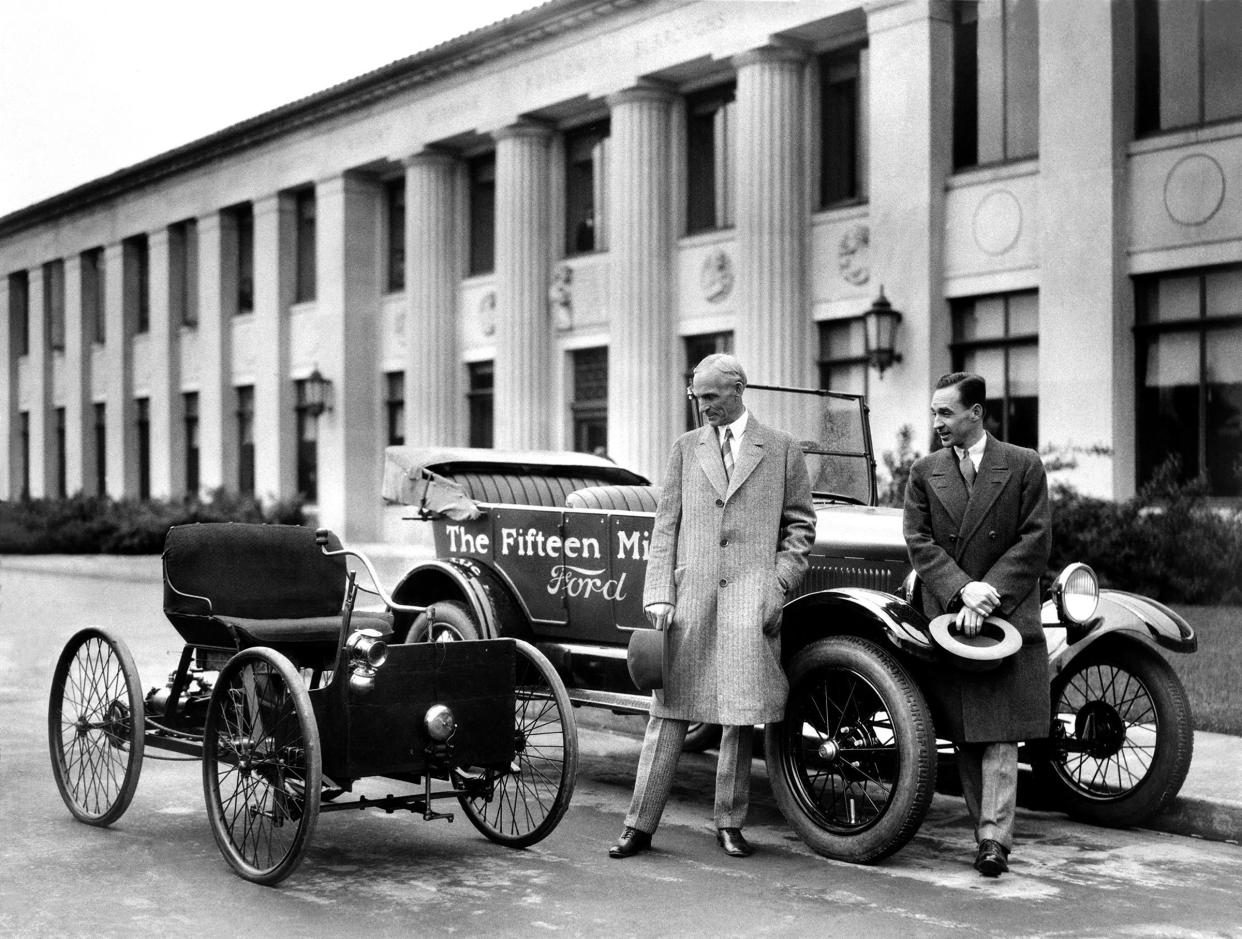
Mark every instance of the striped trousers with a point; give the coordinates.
(657, 764)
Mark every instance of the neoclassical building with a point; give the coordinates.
(522, 238)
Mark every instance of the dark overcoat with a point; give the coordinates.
(726, 555)
(1001, 534)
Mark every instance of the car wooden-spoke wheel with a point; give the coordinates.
(95, 726)
(262, 770)
(1121, 736)
(853, 764)
(526, 801)
(445, 621)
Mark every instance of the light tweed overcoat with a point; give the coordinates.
(1000, 534)
(726, 556)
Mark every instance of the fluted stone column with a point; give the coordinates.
(39, 391)
(121, 465)
(78, 414)
(773, 336)
(644, 400)
(348, 306)
(432, 368)
(167, 428)
(275, 444)
(525, 402)
(214, 362)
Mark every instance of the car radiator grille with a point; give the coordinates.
(873, 577)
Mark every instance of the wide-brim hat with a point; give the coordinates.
(996, 641)
(645, 659)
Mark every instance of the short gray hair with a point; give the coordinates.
(724, 363)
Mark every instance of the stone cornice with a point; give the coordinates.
(548, 20)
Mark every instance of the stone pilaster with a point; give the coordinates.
(39, 392)
(167, 424)
(348, 307)
(644, 402)
(79, 418)
(773, 336)
(214, 365)
(121, 460)
(275, 427)
(526, 404)
(433, 367)
(911, 109)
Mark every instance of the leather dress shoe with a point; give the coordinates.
(992, 860)
(733, 843)
(631, 842)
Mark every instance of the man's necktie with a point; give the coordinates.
(968, 472)
(726, 452)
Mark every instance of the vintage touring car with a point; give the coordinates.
(550, 548)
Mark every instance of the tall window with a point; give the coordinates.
(183, 271)
(997, 337)
(308, 446)
(243, 215)
(996, 82)
(843, 127)
(697, 349)
(137, 279)
(93, 293)
(479, 399)
(710, 154)
(843, 356)
(394, 198)
(62, 477)
(586, 175)
(305, 286)
(483, 214)
(1189, 374)
(189, 408)
(394, 408)
(19, 312)
(590, 404)
(1188, 69)
(54, 304)
(143, 427)
(245, 440)
(23, 441)
(101, 449)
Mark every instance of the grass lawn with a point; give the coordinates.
(1213, 674)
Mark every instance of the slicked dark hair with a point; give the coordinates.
(971, 388)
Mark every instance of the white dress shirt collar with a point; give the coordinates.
(738, 427)
(975, 450)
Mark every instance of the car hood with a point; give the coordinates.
(860, 532)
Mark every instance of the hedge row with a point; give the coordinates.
(99, 525)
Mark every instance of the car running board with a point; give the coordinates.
(613, 700)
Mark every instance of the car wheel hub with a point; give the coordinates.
(1099, 726)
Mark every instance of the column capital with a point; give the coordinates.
(655, 92)
(157, 236)
(771, 54)
(272, 202)
(430, 157)
(523, 128)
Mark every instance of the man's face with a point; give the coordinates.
(719, 399)
(955, 424)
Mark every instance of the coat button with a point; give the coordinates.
(953, 537)
(724, 542)
(992, 535)
(720, 501)
(723, 581)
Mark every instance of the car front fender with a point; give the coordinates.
(432, 581)
(1122, 615)
(858, 611)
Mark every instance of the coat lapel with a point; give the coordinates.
(948, 486)
(709, 458)
(989, 484)
(749, 454)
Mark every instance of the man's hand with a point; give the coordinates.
(660, 615)
(969, 622)
(980, 598)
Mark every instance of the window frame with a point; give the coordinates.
(395, 247)
(480, 402)
(586, 191)
(481, 176)
(306, 211)
(702, 160)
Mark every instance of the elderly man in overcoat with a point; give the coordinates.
(732, 530)
(979, 534)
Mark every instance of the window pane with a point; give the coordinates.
(980, 318)
(709, 170)
(396, 234)
(585, 172)
(839, 128)
(305, 289)
(1175, 298)
(483, 214)
(1224, 292)
(991, 81)
(965, 85)
(1224, 412)
(245, 260)
(1024, 314)
(1222, 59)
(1179, 63)
(1021, 78)
(1173, 360)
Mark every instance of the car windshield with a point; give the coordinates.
(835, 434)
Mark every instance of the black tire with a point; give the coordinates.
(95, 723)
(1122, 737)
(853, 764)
(262, 766)
(444, 621)
(527, 802)
(700, 737)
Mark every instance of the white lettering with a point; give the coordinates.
(584, 582)
(633, 544)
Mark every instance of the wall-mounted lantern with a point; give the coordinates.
(880, 328)
(318, 393)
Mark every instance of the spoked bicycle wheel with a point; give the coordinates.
(528, 801)
(95, 726)
(262, 769)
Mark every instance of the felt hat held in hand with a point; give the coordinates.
(996, 641)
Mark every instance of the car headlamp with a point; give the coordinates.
(440, 723)
(367, 651)
(1076, 593)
